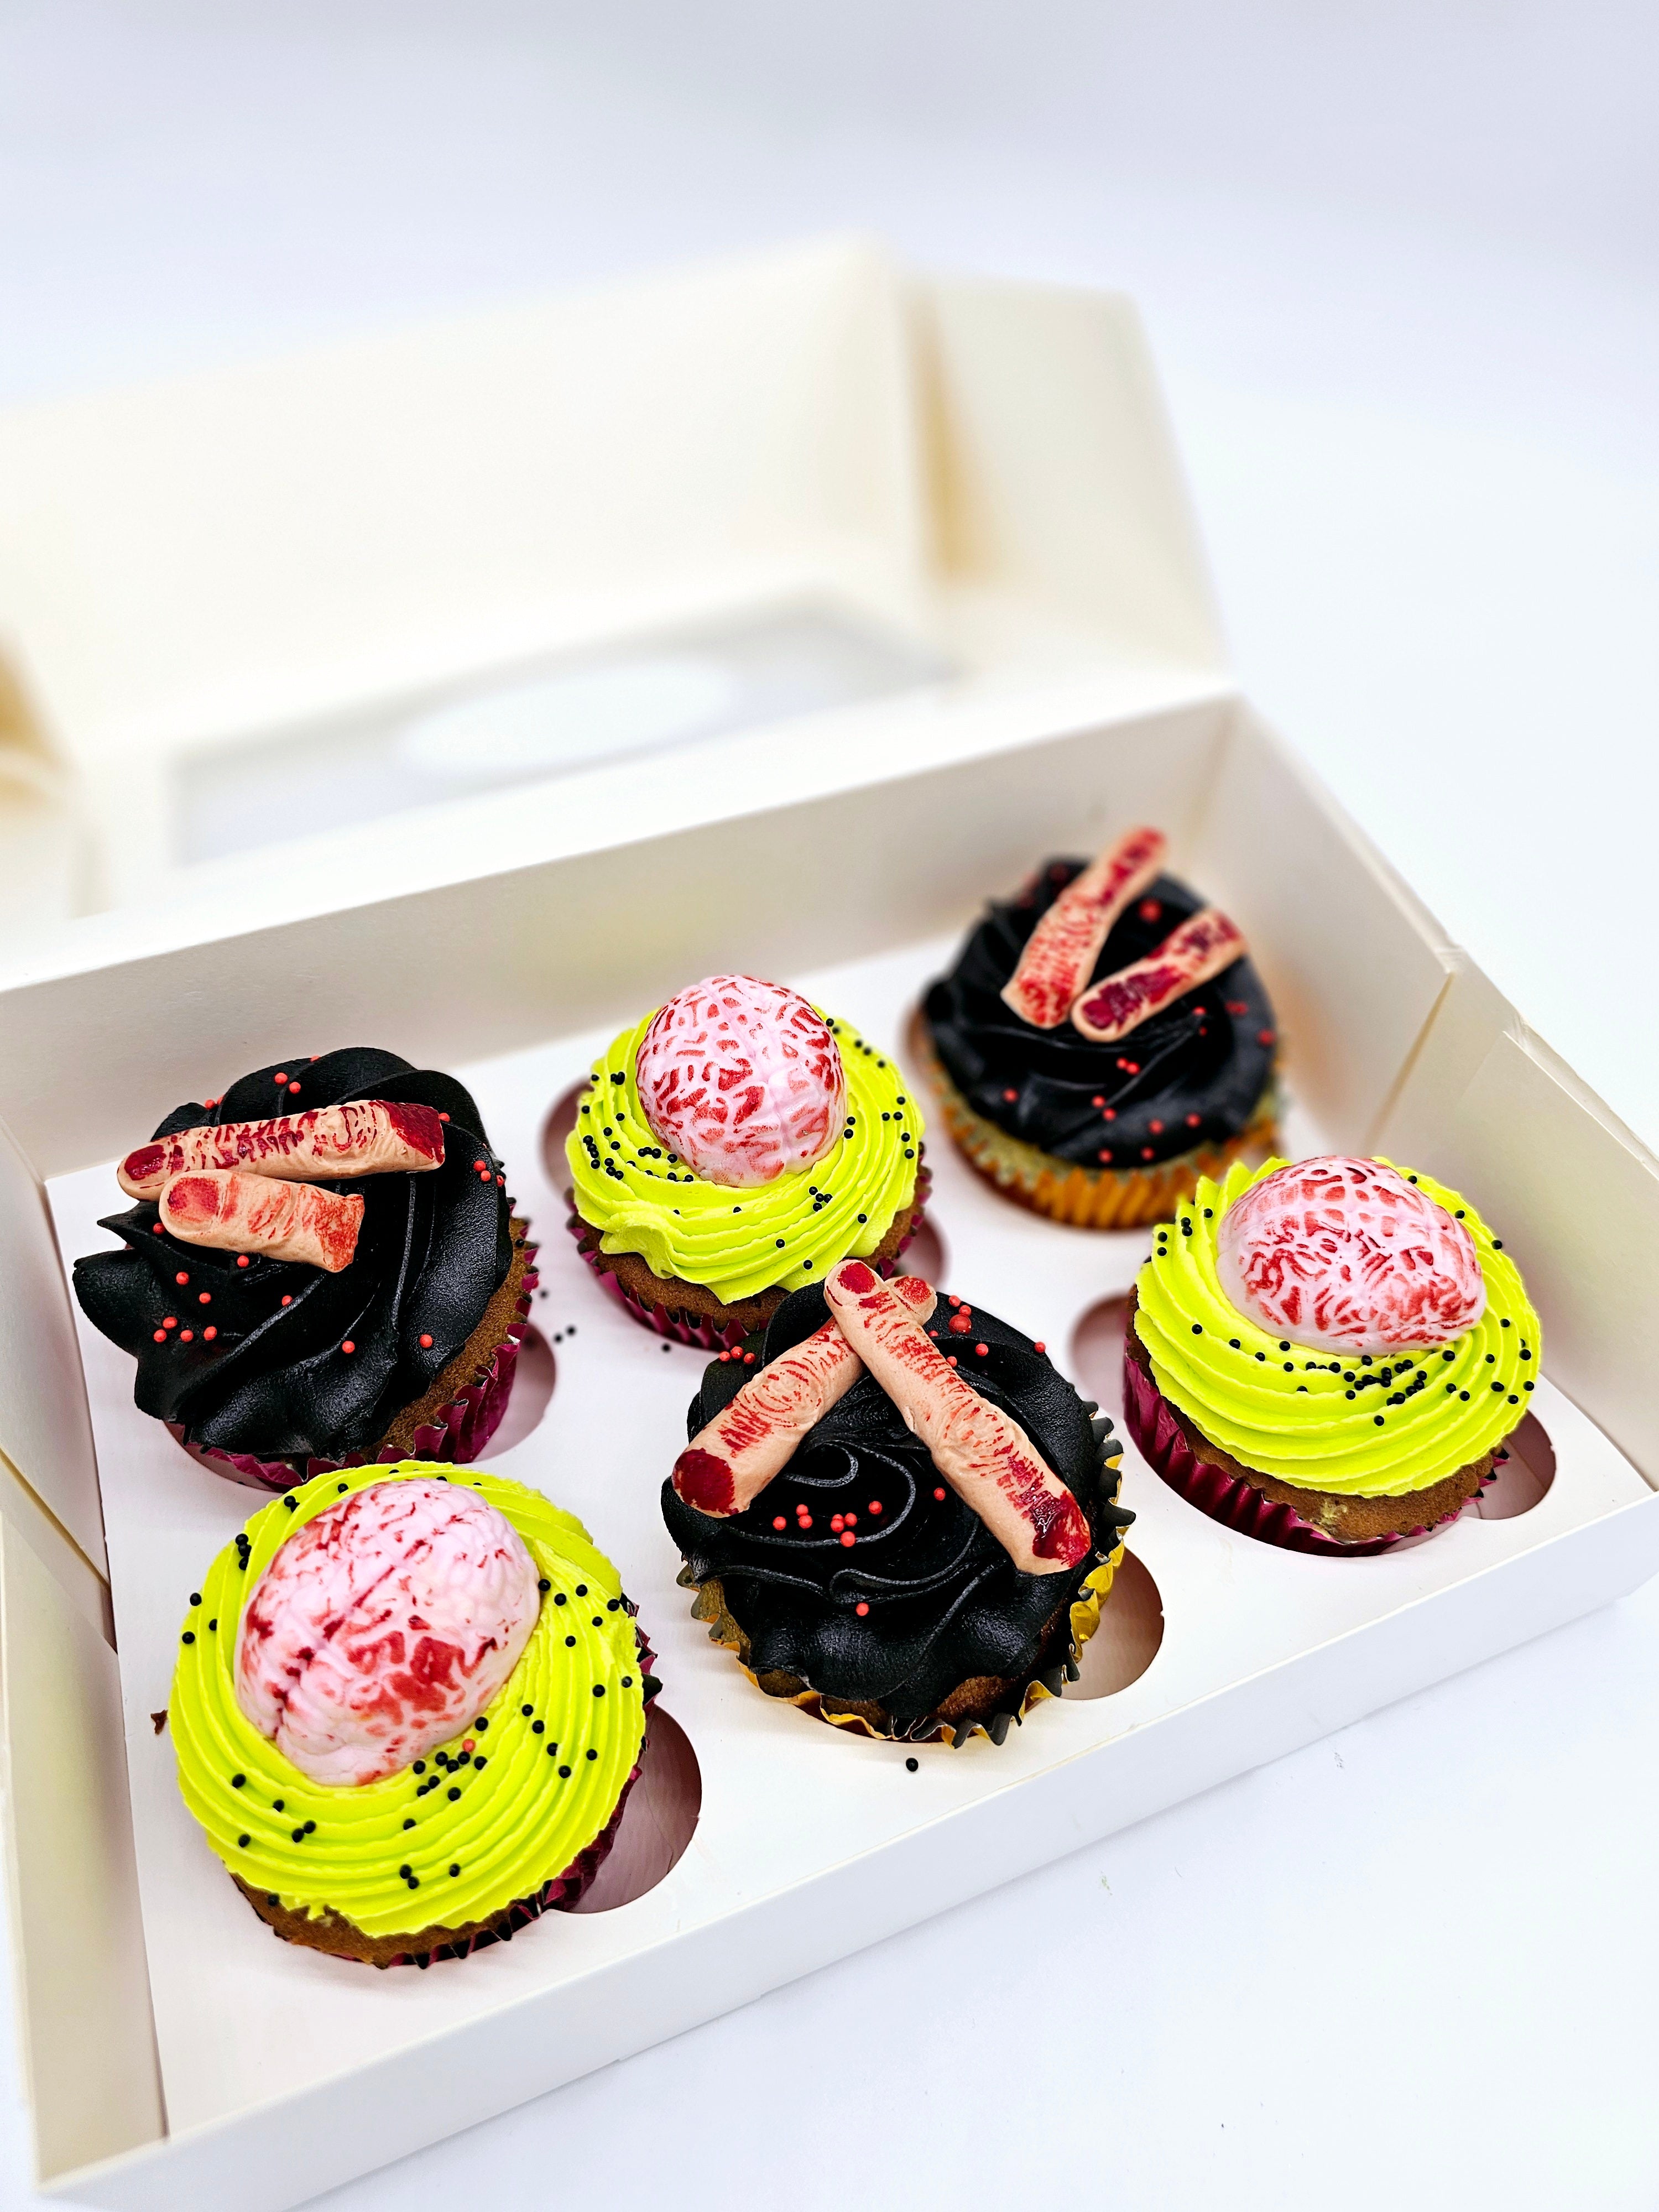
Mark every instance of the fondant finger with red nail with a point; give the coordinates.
(1059, 954)
(985, 1456)
(753, 1438)
(1201, 949)
(258, 1214)
(365, 1136)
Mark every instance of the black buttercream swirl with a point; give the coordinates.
(1185, 1078)
(432, 1249)
(946, 1603)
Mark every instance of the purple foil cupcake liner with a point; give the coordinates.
(691, 1329)
(459, 1433)
(1236, 1503)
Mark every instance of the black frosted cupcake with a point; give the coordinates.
(859, 1583)
(323, 1270)
(1095, 1077)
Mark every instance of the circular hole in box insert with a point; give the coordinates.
(1097, 1353)
(658, 1821)
(1521, 1479)
(532, 1390)
(1128, 1639)
(560, 1120)
(926, 1254)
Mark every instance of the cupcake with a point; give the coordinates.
(897, 1512)
(1102, 1041)
(407, 1709)
(730, 1149)
(322, 1269)
(1329, 1355)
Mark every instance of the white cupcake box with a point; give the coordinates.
(1001, 497)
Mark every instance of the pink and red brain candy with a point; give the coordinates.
(381, 1628)
(1346, 1255)
(742, 1080)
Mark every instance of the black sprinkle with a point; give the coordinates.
(911, 1764)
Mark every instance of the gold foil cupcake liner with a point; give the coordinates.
(1090, 1198)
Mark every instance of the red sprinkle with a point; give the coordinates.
(1039, 1345)
(348, 1345)
(748, 1359)
(980, 1349)
(1150, 909)
(169, 1321)
(181, 1276)
(1098, 1102)
(241, 1260)
(186, 1336)
(443, 1117)
(1107, 1154)
(875, 1505)
(952, 1299)
(860, 1608)
(778, 1521)
(155, 1230)
(849, 1518)
(847, 1537)
(282, 1075)
(293, 1089)
(161, 1336)
(1264, 1036)
(835, 1522)
(951, 1360)
(477, 1164)
(288, 1301)
(1145, 1151)
(205, 1297)
(1009, 1097)
(1192, 1120)
(426, 1344)
(804, 1521)
(939, 1494)
(208, 1335)
(468, 1744)
(1157, 1128)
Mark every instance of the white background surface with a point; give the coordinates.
(1400, 268)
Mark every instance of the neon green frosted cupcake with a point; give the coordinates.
(731, 1147)
(409, 1704)
(1329, 1355)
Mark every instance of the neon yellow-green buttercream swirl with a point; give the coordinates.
(510, 1816)
(736, 1243)
(1366, 1427)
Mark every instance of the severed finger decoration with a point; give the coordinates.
(235, 1211)
(727, 1464)
(1060, 955)
(985, 1456)
(368, 1136)
(1201, 948)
